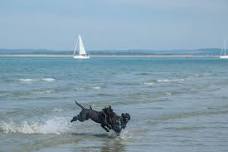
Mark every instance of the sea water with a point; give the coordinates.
(176, 104)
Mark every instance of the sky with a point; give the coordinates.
(113, 24)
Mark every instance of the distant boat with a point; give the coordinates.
(223, 52)
(79, 50)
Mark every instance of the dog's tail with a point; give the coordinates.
(79, 104)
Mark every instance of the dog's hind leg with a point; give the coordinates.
(103, 126)
(109, 126)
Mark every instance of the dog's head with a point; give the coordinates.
(125, 117)
(120, 122)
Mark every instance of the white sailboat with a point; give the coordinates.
(79, 50)
(223, 52)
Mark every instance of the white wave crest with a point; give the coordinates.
(149, 83)
(52, 126)
(152, 82)
(97, 88)
(27, 80)
(170, 80)
(48, 79)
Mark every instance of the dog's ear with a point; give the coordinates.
(90, 107)
(110, 108)
(128, 116)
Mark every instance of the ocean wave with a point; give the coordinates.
(125, 83)
(149, 83)
(105, 94)
(27, 80)
(168, 93)
(57, 125)
(48, 79)
(96, 88)
(41, 91)
(27, 94)
(152, 82)
(169, 80)
(30, 80)
(143, 73)
(57, 110)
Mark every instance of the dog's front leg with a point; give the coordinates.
(103, 126)
(109, 126)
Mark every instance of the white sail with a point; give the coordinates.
(79, 49)
(81, 46)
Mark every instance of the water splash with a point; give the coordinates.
(125, 135)
(56, 125)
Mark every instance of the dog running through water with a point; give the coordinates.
(107, 118)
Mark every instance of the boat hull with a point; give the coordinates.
(81, 57)
(224, 57)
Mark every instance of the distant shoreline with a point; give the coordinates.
(106, 56)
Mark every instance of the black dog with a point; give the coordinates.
(117, 122)
(107, 118)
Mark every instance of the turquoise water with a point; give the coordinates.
(176, 104)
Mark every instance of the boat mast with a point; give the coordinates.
(75, 46)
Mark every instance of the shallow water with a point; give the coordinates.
(176, 104)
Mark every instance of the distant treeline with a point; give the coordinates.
(204, 51)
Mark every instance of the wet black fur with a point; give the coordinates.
(107, 118)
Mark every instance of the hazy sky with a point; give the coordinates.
(113, 24)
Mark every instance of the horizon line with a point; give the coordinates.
(129, 49)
